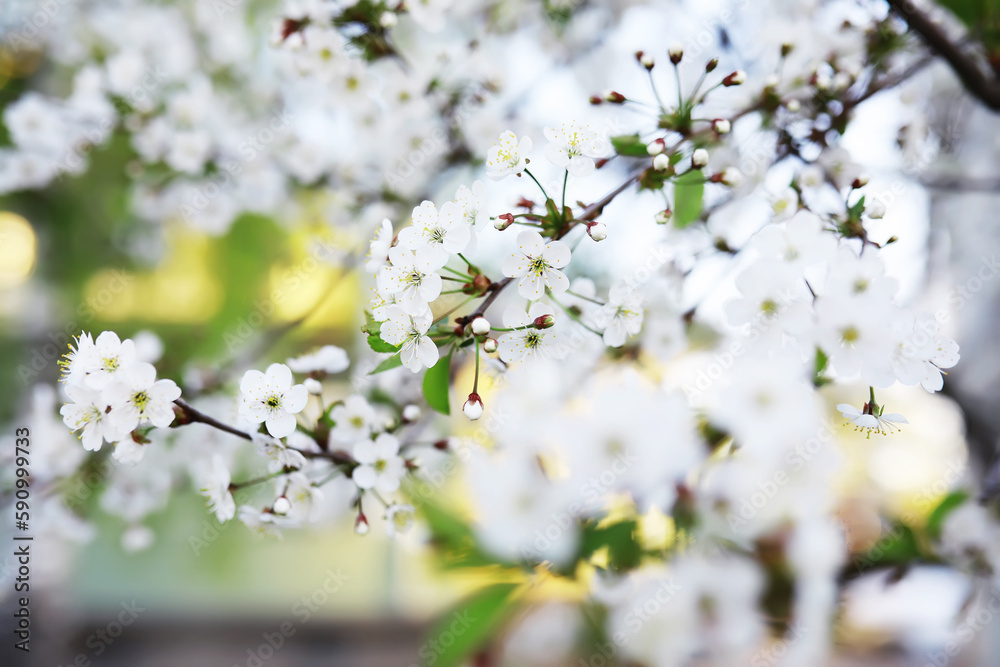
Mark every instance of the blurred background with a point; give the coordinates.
(79, 254)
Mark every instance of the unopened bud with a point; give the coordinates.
(771, 82)
(656, 146)
(411, 413)
(490, 345)
(313, 386)
(875, 209)
(387, 19)
(732, 177)
(699, 158)
(735, 79)
(711, 65)
(786, 48)
(282, 506)
(647, 62)
(676, 52)
(598, 231)
(544, 321)
(361, 524)
(473, 407)
(861, 181)
(793, 105)
(504, 221)
(663, 217)
(595, 100)
(480, 326)
(614, 97)
(661, 162)
(721, 126)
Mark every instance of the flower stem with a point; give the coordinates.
(198, 416)
(573, 316)
(256, 480)
(461, 305)
(565, 179)
(475, 382)
(544, 193)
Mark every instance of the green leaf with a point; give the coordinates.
(624, 550)
(819, 367)
(689, 192)
(629, 144)
(371, 326)
(376, 343)
(470, 625)
(392, 362)
(436, 385)
(897, 547)
(854, 212)
(937, 518)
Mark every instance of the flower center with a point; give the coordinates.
(380, 465)
(532, 340)
(356, 421)
(273, 401)
(850, 335)
(860, 285)
(769, 307)
(110, 364)
(436, 235)
(538, 265)
(140, 400)
(414, 278)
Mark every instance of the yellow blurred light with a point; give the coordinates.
(18, 248)
(182, 289)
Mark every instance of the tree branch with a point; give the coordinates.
(985, 88)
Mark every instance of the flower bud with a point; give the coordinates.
(411, 413)
(647, 61)
(711, 65)
(735, 79)
(875, 209)
(504, 221)
(661, 162)
(676, 52)
(598, 231)
(663, 217)
(313, 386)
(387, 20)
(614, 98)
(786, 48)
(490, 345)
(732, 177)
(793, 105)
(861, 181)
(699, 158)
(480, 326)
(361, 524)
(771, 82)
(473, 407)
(721, 126)
(281, 506)
(544, 322)
(656, 146)
(595, 100)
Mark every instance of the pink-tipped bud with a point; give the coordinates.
(473, 407)
(663, 217)
(282, 506)
(361, 524)
(544, 322)
(699, 159)
(735, 79)
(676, 52)
(504, 221)
(613, 97)
(490, 345)
(656, 146)
(721, 126)
(480, 326)
(597, 231)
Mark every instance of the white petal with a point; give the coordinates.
(281, 423)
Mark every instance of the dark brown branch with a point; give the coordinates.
(195, 415)
(985, 88)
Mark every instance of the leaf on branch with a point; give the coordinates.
(630, 145)
(689, 192)
(436, 385)
(376, 343)
(473, 623)
(395, 361)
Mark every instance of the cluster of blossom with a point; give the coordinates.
(113, 394)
